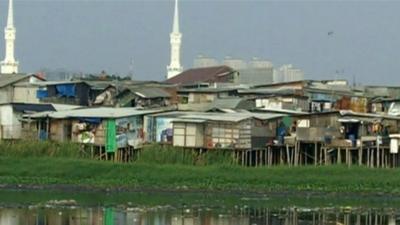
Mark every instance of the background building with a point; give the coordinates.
(234, 63)
(202, 61)
(288, 73)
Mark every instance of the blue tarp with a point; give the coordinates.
(322, 97)
(66, 90)
(43, 135)
(40, 94)
(90, 120)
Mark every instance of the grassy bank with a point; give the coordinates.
(166, 168)
(89, 173)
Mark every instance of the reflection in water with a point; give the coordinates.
(197, 216)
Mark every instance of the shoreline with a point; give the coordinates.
(68, 188)
(70, 175)
(55, 196)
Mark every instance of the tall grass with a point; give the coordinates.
(25, 149)
(157, 154)
(151, 154)
(84, 172)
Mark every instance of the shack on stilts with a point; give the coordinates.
(346, 137)
(243, 135)
(104, 133)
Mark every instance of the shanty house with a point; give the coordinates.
(12, 117)
(159, 127)
(225, 130)
(149, 97)
(147, 94)
(112, 128)
(71, 92)
(7, 89)
(205, 95)
(342, 125)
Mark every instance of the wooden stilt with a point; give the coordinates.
(372, 158)
(251, 158)
(378, 156)
(288, 154)
(265, 157)
(360, 154)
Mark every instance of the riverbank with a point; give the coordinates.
(47, 172)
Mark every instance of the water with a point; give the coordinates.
(194, 216)
(51, 208)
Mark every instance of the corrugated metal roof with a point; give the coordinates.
(189, 120)
(198, 75)
(208, 90)
(228, 117)
(26, 107)
(284, 111)
(61, 107)
(173, 114)
(371, 115)
(7, 79)
(221, 103)
(270, 91)
(102, 112)
(151, 92)
(232, 117)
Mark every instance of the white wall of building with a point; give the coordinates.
(10, 126)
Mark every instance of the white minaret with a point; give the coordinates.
(9, 65)
(175, 67)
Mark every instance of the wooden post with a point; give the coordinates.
(372, 158)
(288, 154)
(378, 156)
(315, 154)
(245, 158)
(360, 153)
(350, 158)
(256, 158)
(48, 129)
(91, 152)
(270, 156)
(295, 158)
(251, 158)
(297, 153)
(38, 134)
(339, 157)
(265, 157)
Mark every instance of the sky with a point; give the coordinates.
(326, 39)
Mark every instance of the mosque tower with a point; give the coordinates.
(175, 66)
(9, 65)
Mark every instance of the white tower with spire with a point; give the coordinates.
(9, 65)
(175, 66)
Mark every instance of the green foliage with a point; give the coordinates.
(39, 149)
(91, 173)
(157, 154)
(170, 168)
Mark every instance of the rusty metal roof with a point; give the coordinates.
(199, 75)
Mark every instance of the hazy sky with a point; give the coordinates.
(90, 36)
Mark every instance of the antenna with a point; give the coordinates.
(131, 69)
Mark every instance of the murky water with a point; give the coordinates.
(188, 208)
(72, 215)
